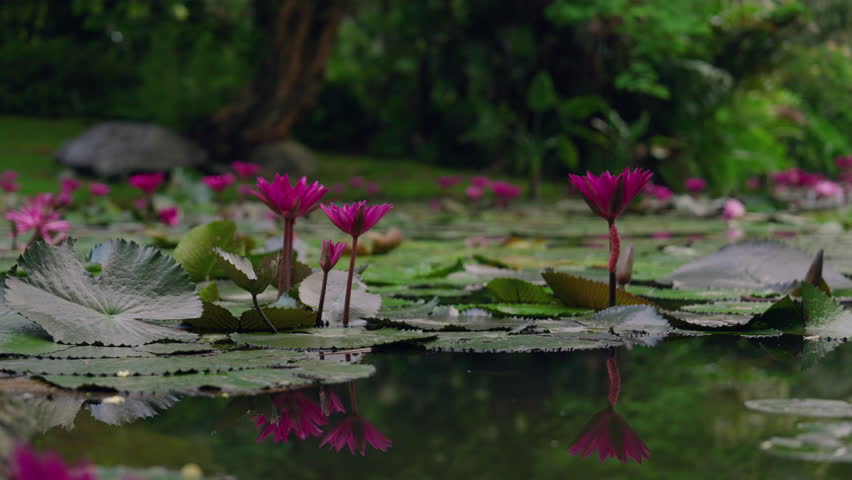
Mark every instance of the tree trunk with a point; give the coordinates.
(303, 35)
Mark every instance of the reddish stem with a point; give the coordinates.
(353, 399)
(322, 299)
(614, 252)
(614, 379)
(289, 224)
(349, 281)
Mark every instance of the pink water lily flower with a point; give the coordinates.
(844, 162)
(505, 192)
(695, 185)
(98, 189)
(289, 201)
(8, 181)
(659, 192)
(245, 170)
(70, 184)
(219, 183)
(480, 181)
(448, 181)
(169, 216)
(147, 182)
(733, 209)
(356, 433)
(27, 464)
(473, 192)
(355, 219)
(297, 414)
(38, 215)
(608, 196)
(828, 189)
(331, 253)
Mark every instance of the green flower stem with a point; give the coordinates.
(260, 312)
(349, 281)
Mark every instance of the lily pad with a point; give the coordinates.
(136, 283)
(628, 319)
(530, 310)
(363, 304)
(194, 252)
(818, 442)
(824, 317)
(744, 308)
(803, 407)
(253, 380)
(152, 365)
(513, 290)
(503, 342)
(581, 292)
(752, 265)
(330, 338)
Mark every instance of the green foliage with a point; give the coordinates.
(194, 252)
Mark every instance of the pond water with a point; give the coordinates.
(490, 416)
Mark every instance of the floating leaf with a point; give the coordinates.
(96, 352)
(803, 407)
(19, 336)
(136, 283)
(503, 342)
(194, 252)
(240, 270)
(174, 348)
(581, 292)
(824, 317)
(532, 310)
(819, 442)
(512, 290)
(152, 365)
(408, 309)
(752, 265)
(248, 381)
(628, 319)
(363, 304)
(330, 338)
(281, 318)
(745, 308)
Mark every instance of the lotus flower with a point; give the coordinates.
(297, 414)
(26, 464)
(753, 183)
(331, 253)
(244, 189)
(8, 181)
(659, 192)
(474, 193)
(796, 177)
(844, 162)
(608, 196)
(695, 185)
(98, 189)
(290, 202)
(245, 170)
(373, 188)
(148, 183)
(39, 215)
(70, 184)
(219, 183)
(169, 216)
(448, 181)
(355, 433)
(733, 209)
(607, 433)
(505, 192)
(355, 219)
(828, 189)
(480, 181)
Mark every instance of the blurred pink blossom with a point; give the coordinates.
(828, 189)
(473, 192)
(505, 192)
(356, 433)
(8, 181)
(245, 170)
(297, 414)
(733, 209)
(27, 464)
(169, 216)
(147, 182)
(695, 185)
(753, 183)
(219, 183)
(38, 215)
(98, 189)
(373, 188)
(448, 181)
(480, 181)
(357, 182)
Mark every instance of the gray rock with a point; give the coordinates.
(288, 156)
(117, 149)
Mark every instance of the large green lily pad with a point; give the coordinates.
(329, 338)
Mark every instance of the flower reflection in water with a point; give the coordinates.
(296, 413)
(355, 432)
(607, 432)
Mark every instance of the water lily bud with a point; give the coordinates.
(624, 267)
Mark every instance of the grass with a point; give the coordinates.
(27, 145)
